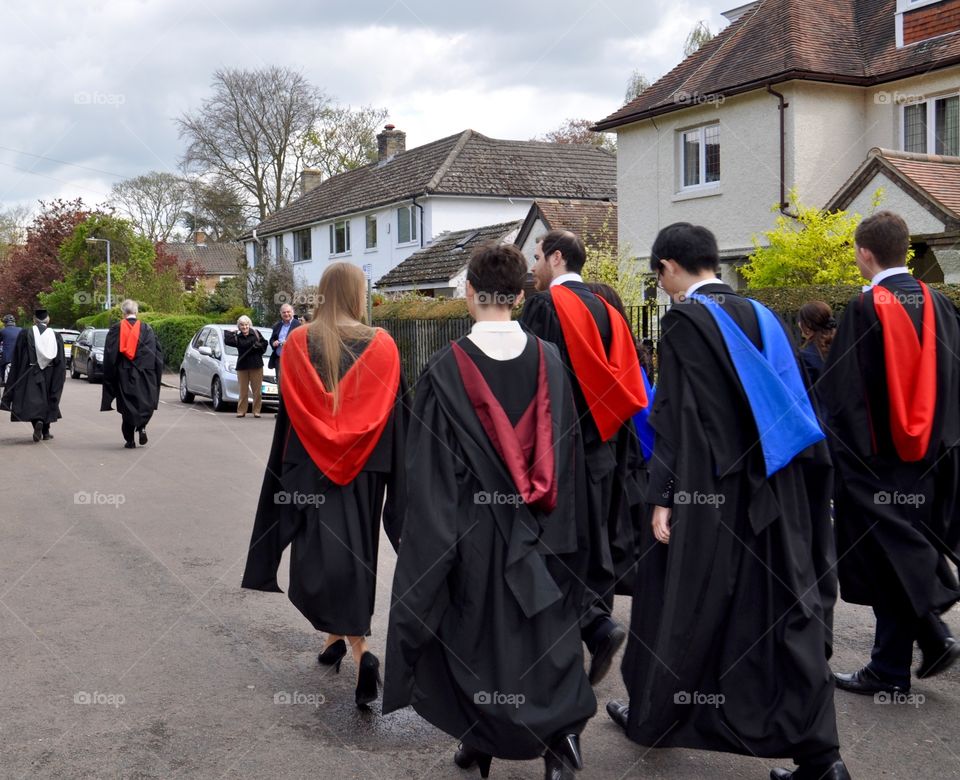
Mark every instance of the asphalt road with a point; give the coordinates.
(129, 650)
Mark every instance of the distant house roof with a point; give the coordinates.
(932, 180)
(845, 41)
(593, 221)
(214, 259)
(446, 256)
(464, 164)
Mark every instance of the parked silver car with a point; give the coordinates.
(209, 368)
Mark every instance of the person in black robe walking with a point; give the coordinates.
(36, 377)
(732, 615)
(132, 371)
(483, 638)
(337, 450)
(598, 351)
(890, 387)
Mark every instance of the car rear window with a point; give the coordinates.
(99, 338)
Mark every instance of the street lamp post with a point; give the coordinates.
(107, 242)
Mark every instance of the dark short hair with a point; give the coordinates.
(497, 273)
(570, 246)
(692, 246)
(887, 236)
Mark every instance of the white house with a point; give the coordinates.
(380, 214)
(794, 95)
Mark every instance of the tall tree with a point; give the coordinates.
(636, 84)
(255, 131)
(577, 131)
(32, 267)
(218, 209)
(154, 202)
(346, 139)
(698, 36)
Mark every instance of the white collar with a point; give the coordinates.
(569, 277)
(702, 283)
(490, 326)
(886, 273)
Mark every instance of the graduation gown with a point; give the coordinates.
(483, 638)
(897, 522)
(333, 529)
(606, 461)
(731, 621)
(134, 384)
(33, 394)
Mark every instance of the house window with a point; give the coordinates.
(700, 156)
(932, 127)
(406, 224)
(340, 237)
(278, 247)
(301, 245)
(372, 231)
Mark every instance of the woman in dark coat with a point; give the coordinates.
(337, 449)
(250, 345)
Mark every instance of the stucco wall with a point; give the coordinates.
(919, 220)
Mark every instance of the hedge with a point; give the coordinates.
(422, 309)
(174, 333)
(788, 300)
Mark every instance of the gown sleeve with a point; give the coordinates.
(394, 508)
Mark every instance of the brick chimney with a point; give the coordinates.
(309, 179)
(200, 238)
(390, 142)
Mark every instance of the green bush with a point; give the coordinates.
(417, 308)
(174, 333)
(230, 316)
(787, 301)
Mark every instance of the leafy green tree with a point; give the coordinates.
(609, 264)
(698, 36)
(636, 85)
(816, 247)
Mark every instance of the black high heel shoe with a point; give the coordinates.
(333, 655)
(563, 758)
(466, 757)
(368, 681)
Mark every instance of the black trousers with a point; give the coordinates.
(893, 645)
(127, 429)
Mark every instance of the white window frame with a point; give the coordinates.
(930, 103)
(905, 6)
(412, 211)
(346, 238)
(704, 185)
(366, 234)
(296, 246)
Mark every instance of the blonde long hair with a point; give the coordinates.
(341, 295)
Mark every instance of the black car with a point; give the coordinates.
(87, 355)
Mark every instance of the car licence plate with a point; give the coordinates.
(268, 389)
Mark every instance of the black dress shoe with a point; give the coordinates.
(864, 681)
(37, 431)
(143, 436)
(619, 713)
(47, 436)
(562, 758)
(333, 655)
(836, 771)
(129, 445)
(368, 680)
(936, 661)
(613, 636)
(466, 757)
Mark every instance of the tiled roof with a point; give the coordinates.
(844, 41)
(214, 259)
(932, 179)
(464, 164)
(593, 221)
(446, 256)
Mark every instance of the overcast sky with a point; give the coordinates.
(90, 90)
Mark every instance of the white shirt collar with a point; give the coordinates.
(886, 273)
(702, 283)
(488, 326)
(570, 277)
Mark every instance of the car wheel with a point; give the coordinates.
(185, 395)
(216, 395)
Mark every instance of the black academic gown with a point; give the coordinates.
(483, 637)
(893, 554)
(32, 394)
(134, 384)
(606, 462)
(334, 540)
(731, 622)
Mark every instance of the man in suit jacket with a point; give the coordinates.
(281, 332)
(8, 338)
(895, 434)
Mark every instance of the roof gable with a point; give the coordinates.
(595, 222)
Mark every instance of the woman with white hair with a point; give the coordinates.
(250, 345)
